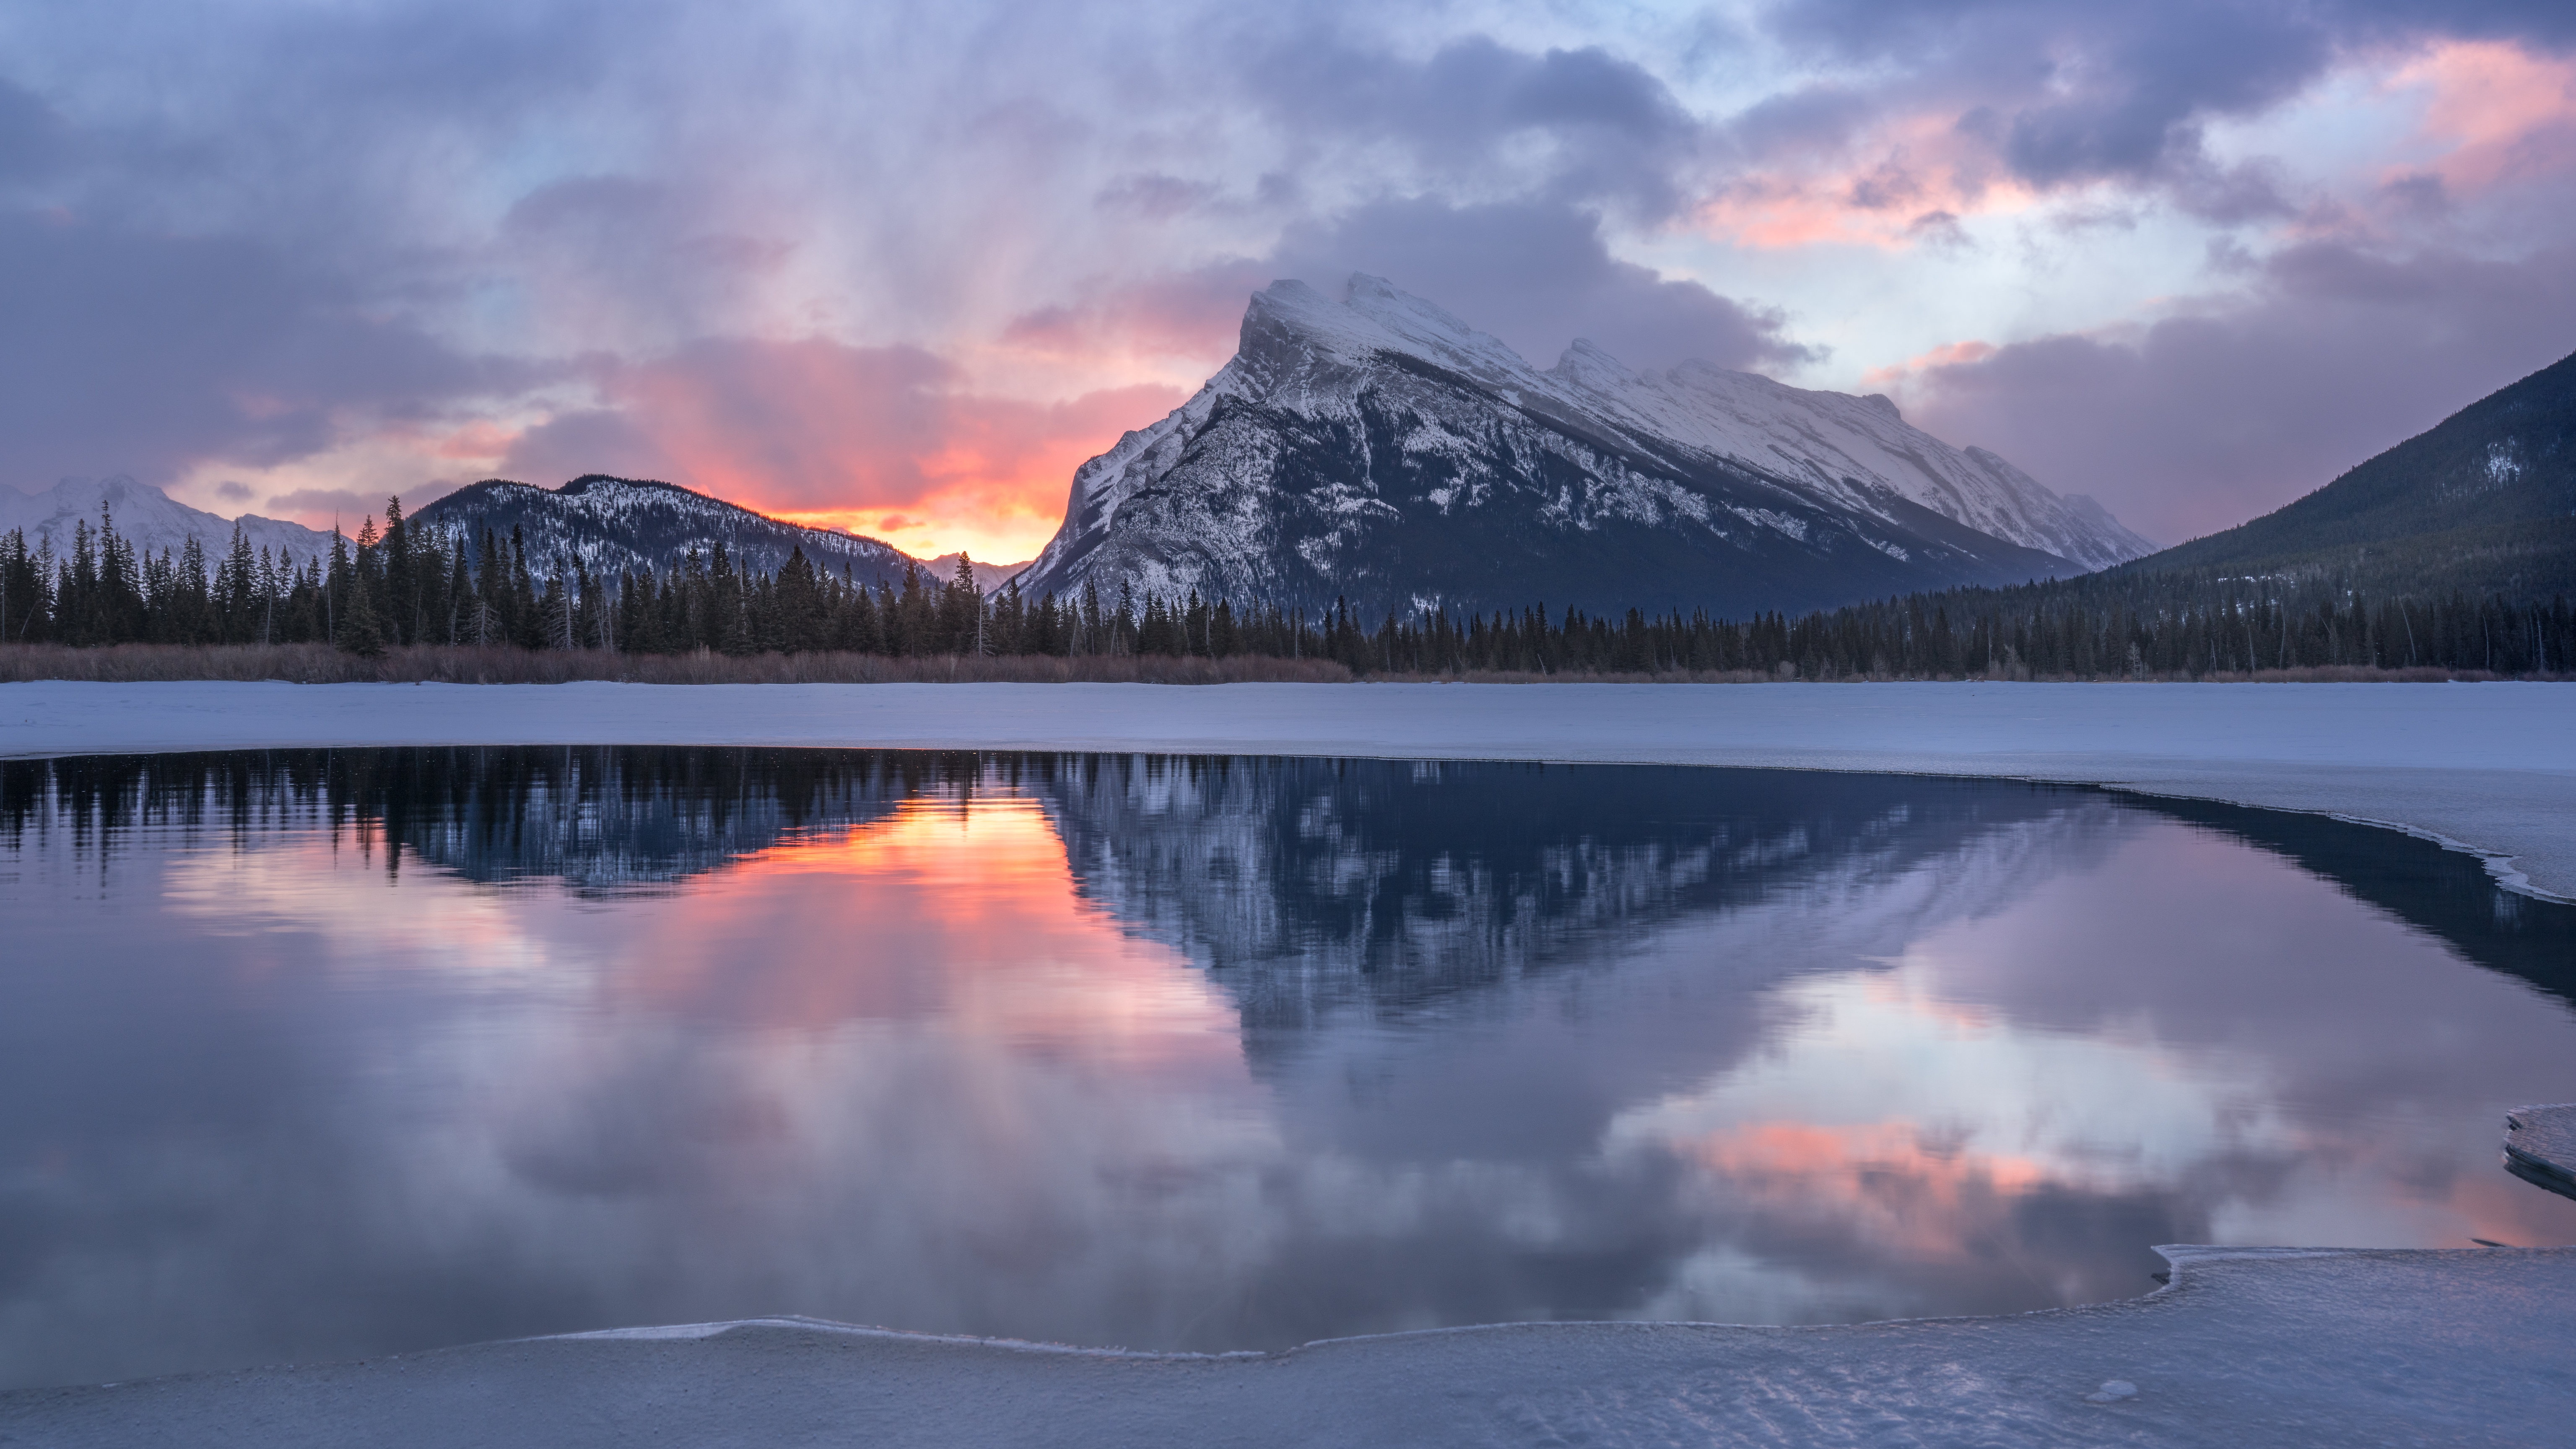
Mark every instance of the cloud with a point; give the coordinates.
(141, 354)
(855, 436)
(1994, 104)
(951, 249)
(348, 505)
(1538, 275)
(2242, 403)
(625, 262)
(1580, 126)
(1190, 314)
(30, 134)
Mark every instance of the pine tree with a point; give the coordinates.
(361, 632)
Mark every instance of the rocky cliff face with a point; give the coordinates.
(1378, 449)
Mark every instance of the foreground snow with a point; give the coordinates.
(2488, 767)
(2540, 1146)
(2249, 1346)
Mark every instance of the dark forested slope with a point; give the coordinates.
(2483, 503)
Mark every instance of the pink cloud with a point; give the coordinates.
(1192, 315)
(1906, 179)
(2494, 112)
(884, 440)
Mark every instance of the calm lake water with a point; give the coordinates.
(327, 1054)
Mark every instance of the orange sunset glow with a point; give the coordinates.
(958, 909)
(1891, 1181)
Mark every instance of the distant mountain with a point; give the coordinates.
(150, 518)
(989, 577)
(1379, 449)
(2483, 502)
(616, 524)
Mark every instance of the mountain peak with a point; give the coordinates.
(1291, 326)
(616, 524)
(1377, 448)
(147, 517)
(1587, 365)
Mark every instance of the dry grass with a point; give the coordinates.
(2322, 674)
(322, 664)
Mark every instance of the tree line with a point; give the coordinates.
(409, 585)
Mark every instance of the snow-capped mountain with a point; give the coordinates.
(1379, 449)
(1842, 446)
(616, 524)
(149, 518)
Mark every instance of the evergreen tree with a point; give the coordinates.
(361, 631)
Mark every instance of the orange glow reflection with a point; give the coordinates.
(962, 911)
(1890, 1181)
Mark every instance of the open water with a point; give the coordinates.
(311, 1055)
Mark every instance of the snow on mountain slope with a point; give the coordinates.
(1379, 449)
(616, 524)
(151, 519)
(1831, 439)
(612, 524)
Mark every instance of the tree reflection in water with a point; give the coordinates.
(315, 1054)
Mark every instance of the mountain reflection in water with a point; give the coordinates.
(327, 1054)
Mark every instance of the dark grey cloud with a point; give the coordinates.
(1538, 274)
(620, 257)
(2205, 419)
(140, 354)
(1613, 133)
(30, 134)
(593, 440)
(2066, 92)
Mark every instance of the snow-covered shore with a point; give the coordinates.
(2487, 767)
(2252, 1346)
(2540, 1146)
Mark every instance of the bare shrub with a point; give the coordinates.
(467, 664)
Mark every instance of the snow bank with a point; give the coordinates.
(2489, 768)
(2540, 1146)
(2270, 1347)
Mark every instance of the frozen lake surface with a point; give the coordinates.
(314, 1055)
(2491, 767)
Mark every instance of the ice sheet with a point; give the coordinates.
(2484, 767)
(2262, 1347)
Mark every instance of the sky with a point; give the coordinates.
(901, 267)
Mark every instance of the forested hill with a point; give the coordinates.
(611, 526)
(2484, 503)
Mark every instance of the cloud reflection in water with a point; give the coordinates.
(332, 1055)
